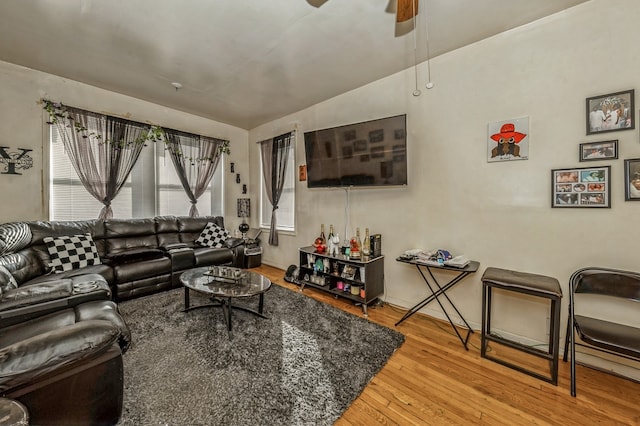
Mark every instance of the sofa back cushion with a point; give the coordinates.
(33, 260)
(167, 230)
(127, 234)
(191, 227)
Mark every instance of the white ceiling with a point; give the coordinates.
(243, 62)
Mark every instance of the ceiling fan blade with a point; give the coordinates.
(406, 10)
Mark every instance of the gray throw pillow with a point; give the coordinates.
(7, 282)
(14, 236)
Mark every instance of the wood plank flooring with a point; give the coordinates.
(432, 380)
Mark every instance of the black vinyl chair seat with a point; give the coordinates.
(609, 335)
(523, 282)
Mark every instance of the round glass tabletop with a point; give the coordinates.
(224, 281)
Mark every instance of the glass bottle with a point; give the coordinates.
(366, 246)
(322, 237)
(356, 245)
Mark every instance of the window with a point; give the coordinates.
(286, 206)
(152, 189)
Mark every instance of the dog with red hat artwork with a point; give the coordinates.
(508, 140)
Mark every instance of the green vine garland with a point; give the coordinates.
(58, 113)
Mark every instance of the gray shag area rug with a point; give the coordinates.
(303, 365)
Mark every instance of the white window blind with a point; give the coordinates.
(152, 189)
(287, 205)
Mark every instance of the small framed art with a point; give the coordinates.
(508, 140)
(610, 113)
(632, 179)
(593, 151)
(581, 187)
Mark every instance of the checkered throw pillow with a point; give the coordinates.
(212, 236)
(72, 252)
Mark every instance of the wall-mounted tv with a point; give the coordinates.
(371, 153)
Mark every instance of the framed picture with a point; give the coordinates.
(376, 136)
(360, 145)
(593, 151)
(377, 152)
(610, 113)
(349, 135)
(508, 140)
(582, 187)
(347, 152)
(632, 179)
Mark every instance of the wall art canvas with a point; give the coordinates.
(508, 140)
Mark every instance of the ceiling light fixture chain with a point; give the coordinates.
(416, 91)
(426, 26)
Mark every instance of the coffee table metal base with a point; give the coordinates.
(227, 307)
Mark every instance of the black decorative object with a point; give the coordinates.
(14, 161)
(244, 211)
(233, 167)
(237, 177)
(244, 188)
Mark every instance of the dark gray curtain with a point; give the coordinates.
(275, 157)
(103, 150)
(195, 159)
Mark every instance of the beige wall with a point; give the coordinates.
(22, 125)
(497, 213)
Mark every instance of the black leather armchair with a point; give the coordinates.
(66, 367)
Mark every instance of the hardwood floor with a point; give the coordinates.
(432, 380)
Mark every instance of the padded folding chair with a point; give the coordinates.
(599, 334)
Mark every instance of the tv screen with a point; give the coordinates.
(372, 153)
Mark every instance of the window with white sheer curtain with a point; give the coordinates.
(287, 205)
(152, 189)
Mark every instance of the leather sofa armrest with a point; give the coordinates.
(236, 245)
(30, 359)
(233, 242)
(38, 299)
(133, 256)
(174, 246)
(36, 294)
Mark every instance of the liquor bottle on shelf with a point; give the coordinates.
(366, 247)
(355, 245)
(320, 243)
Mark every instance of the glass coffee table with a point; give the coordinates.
(223, 284)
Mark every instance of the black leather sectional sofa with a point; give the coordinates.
(61, 335)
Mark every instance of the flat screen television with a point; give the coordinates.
(371, 153)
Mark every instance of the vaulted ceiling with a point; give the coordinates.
(244, 62)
